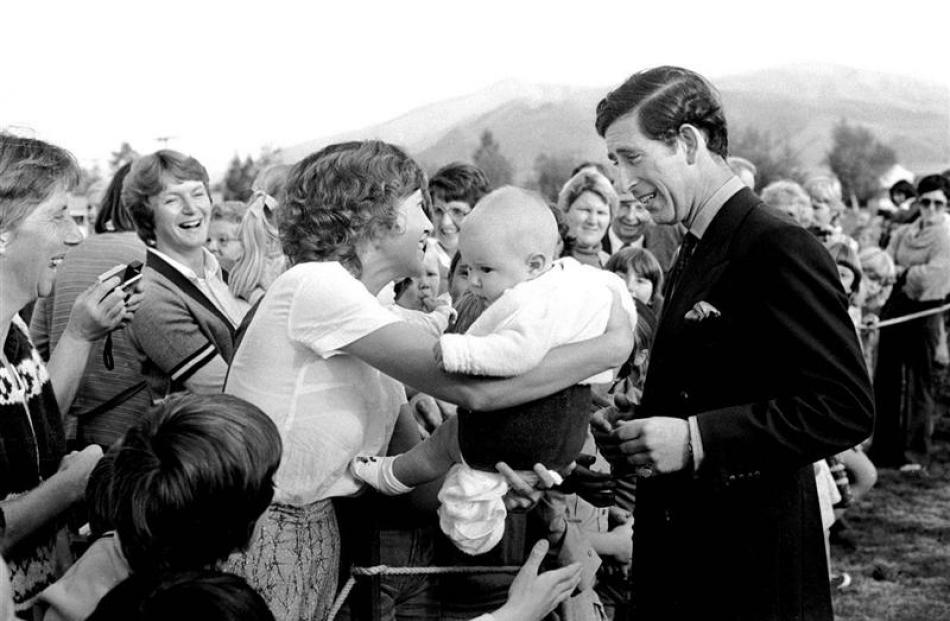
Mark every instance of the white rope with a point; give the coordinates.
(904, 318)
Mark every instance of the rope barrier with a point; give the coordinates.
(385, 570)
(904, 318)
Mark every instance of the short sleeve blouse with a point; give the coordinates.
(329, 406)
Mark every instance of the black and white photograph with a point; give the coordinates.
(474, 311)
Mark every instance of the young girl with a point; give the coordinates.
(855, 474)
(223, 239)
(509, 243)
(262, 260)
(849, 271)
(642, 273)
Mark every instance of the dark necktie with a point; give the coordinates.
(682, 260)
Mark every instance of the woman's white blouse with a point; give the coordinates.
(328, 406)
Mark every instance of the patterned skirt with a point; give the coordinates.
(294, 560)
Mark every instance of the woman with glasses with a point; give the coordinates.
(904, 377)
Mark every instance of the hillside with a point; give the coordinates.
(802, 102)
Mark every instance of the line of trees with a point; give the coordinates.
(857, 157)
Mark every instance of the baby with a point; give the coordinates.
(536, 303)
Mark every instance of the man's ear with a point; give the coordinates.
(5, 238)
(693, 141)
(536, 263)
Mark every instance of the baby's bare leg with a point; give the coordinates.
(430, 459)
(424, 462)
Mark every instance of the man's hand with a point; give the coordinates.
(603, 422)
(597, 488)
(656, 445)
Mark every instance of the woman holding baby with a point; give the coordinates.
(327, 361)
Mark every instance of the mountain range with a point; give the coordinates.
(800, 103)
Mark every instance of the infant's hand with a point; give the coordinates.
(431, 303)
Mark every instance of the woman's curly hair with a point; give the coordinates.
(342, 196)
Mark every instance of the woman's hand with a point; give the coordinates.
(101, 308)
(533, 596)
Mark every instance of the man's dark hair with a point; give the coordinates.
(933, 183)
(667, 98)
(459, 182)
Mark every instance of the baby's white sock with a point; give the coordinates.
(378, 473)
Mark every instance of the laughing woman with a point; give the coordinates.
(184, 333)
(588, 202)
(38, 481)
(327, 361)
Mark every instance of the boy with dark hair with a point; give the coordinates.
(188, 483)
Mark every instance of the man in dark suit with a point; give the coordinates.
(755, 374)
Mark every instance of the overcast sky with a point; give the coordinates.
(220, 77)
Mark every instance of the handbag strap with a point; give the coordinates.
(115, 401)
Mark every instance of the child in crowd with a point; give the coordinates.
(642, 272)
(849, 271)
(262, 259)
(536, 304)
(417, 299)
(224, 242)
(187, 486)
(853, 471)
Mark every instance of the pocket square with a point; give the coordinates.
(702, 311)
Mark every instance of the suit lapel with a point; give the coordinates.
(709, 261)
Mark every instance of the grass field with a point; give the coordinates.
(901, 568)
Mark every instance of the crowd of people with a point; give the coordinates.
(658, 384)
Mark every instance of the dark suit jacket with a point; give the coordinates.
(777, 383)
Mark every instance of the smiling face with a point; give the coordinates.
(182, 213)
(403, 248)
(932, 207)
(588, 218)
(37, 246)
(657, 174)
(631, 219)
(447, 218)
